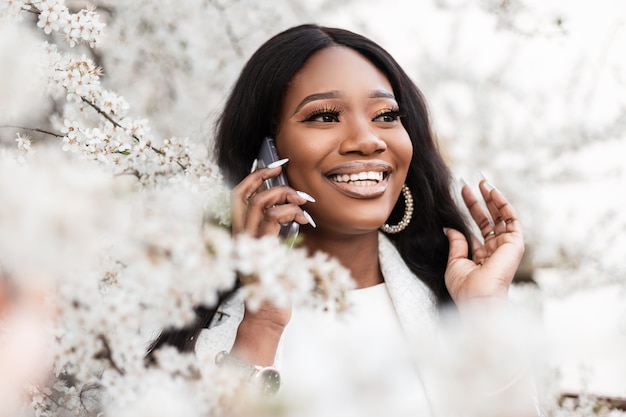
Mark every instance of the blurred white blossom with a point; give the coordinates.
(273, 271)
(126, 231)
(22, 75)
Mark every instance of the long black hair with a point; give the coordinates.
(252, 112)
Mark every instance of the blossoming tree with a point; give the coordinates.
(114, 217)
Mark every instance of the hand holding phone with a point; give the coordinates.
(267, 155)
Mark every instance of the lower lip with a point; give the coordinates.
(360, 191)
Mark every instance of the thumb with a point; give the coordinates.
(458, 244)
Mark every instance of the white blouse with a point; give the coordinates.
(353, 362)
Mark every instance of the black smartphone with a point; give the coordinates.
(267, 155)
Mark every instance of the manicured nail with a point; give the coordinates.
(278, 163)
(445, 231)
(308, 218)
(489, 186)
(306, 196)
(255, 163)
(462, 182)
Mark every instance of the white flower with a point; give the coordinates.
(84, 26)
(24, 143)
(52, 15)
(273, 271)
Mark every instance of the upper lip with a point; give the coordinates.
(354, 167)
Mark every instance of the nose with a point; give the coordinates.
(361, 139)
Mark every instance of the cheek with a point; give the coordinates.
(303, 157)
(298, 170)
(404, 152)
(294, 140)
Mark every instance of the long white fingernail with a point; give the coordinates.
(278, 163)
(489, 186)
(308, 218)
(306, 196)
(255, 163)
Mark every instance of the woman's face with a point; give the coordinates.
(341, 131)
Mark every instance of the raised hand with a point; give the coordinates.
(261, 213)
(490, 269)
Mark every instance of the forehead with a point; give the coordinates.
(337, 68)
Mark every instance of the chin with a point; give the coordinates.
(362, 227)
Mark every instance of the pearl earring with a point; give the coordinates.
(408, 213)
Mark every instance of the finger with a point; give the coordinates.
(275, 217)
(487, 190)
(251, 183)
(459, 249)
(477, 211)
(275, 196)
(504, 252)
(504, 215)
(268, 209)
(242, 192)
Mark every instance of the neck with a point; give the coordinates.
(358, 253)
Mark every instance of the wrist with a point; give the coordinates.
(483, 304)
(257, 340)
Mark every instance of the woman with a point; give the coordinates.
(367, 184)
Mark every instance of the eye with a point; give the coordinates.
(387, 116)
(324, 115)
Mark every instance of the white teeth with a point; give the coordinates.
(366, 183)
(360, 178)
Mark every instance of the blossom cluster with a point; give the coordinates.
(97, 126)
(128, 262)
(289, 276)
(54, 16)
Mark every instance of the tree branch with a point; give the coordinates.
(116, 124)
(105, 353)
(32, 129)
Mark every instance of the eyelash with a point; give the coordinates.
(394, 113)
(330, 111)
(335, 112)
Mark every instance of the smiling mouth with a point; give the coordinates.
(360, 179)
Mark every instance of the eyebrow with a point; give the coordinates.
(318, 96)
(381, 94)
(338, 94)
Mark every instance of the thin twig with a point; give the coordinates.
(103, 114)
(33, 10)
(48, 396)
(106, 354)
(32, 129)
(116, 124)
